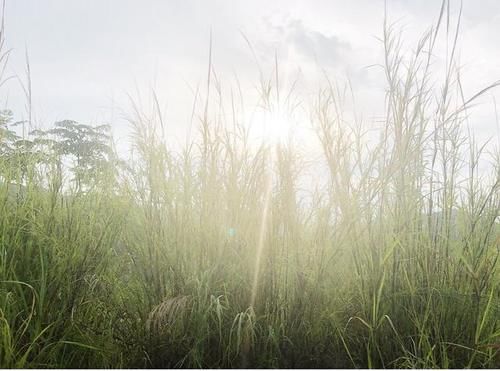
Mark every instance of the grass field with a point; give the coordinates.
(217, 255)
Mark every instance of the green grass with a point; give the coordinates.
(213, 256)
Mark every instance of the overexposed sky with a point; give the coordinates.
(87, 56)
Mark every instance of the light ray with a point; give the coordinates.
(262, 237)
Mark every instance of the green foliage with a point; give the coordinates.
(89, 147)
(215, 257)
(7, 135)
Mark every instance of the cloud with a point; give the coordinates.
(292, 35)
(326, 50)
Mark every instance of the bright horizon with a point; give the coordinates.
(86, 58)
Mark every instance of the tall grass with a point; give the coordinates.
(215, 256)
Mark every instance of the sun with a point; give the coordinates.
(272, 126)
(278, 127)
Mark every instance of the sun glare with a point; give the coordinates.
(277, 127)
(273, 127)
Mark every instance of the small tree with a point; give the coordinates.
(88, 146)
(13, 149)
(7, 135)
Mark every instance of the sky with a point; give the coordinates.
(89, 58)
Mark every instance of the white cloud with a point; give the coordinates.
(85, 54)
